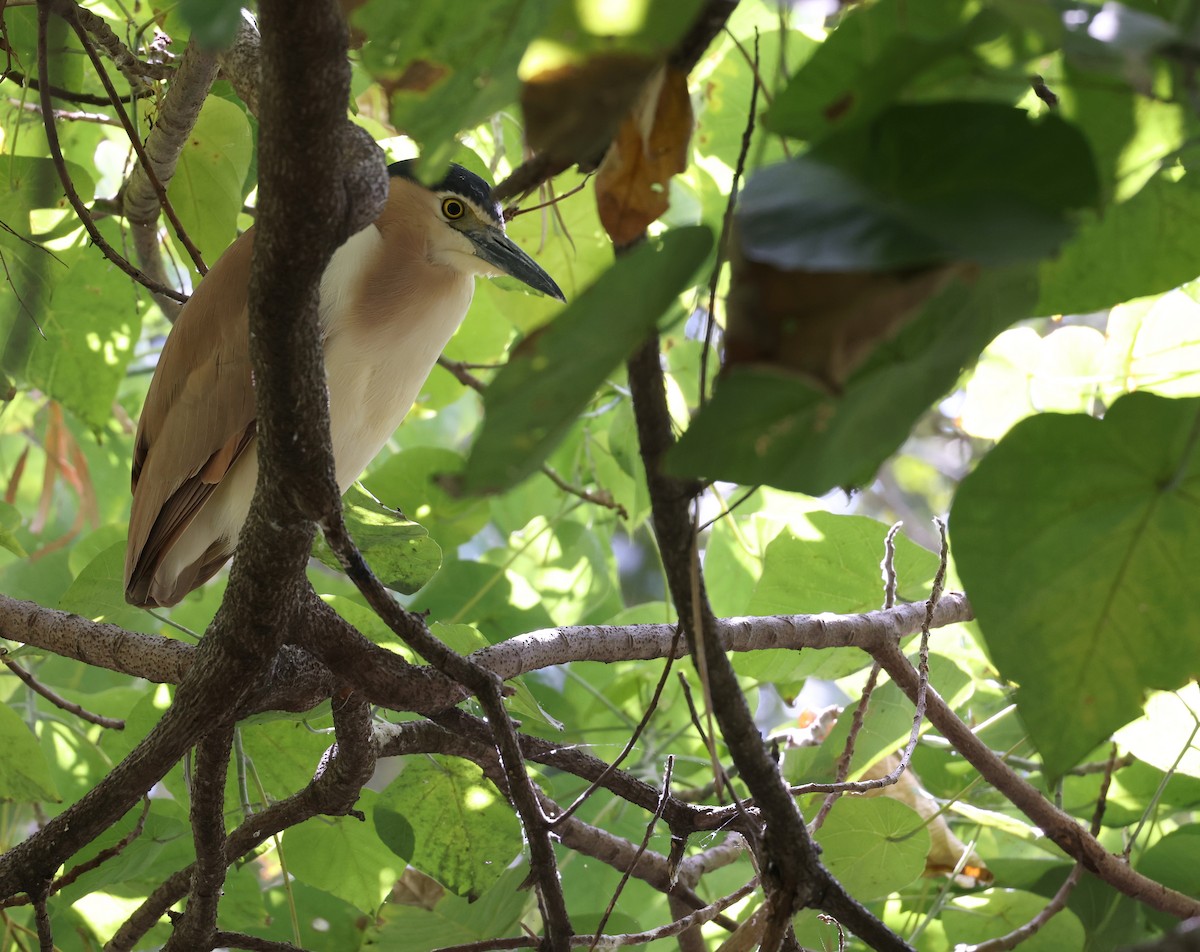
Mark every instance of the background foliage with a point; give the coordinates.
(990, 210)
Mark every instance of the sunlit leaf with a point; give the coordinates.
(874, 846)
(399, 551)
(996, 912)
(24, 775)
(343, 856)
(464, 833)
(1104, 515)
(206, 189)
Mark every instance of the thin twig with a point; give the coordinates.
(139, 149)
(602, 498)
(58, 700)
(633, 739)
(658, 812)
(939, 581)
(96, 861)
(85, 217)
(710, 321)
(79, 98)
(130, 66)
(461, 371)
(677, 927)
(66, 115)
(42, 917)
(1022, 933)
(830, 921)
(488, 689)
(515, 211)
(888, 567)
(239, 940)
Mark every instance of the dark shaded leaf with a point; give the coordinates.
(551, 376)
(1004, 191)
(772, 428)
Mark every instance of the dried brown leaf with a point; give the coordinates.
(651, 146)
(572, 111)
(821, 324)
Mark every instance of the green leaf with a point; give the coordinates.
(423, 483)
(874, 56)
(98, 592)
(344, 857)
(452, 920)
(1104, 515)
(1165, 733)
(285, 753)
(774, 429)
(724, 95)
(973, 919)
(834, 569)
(484, 596)
(1005, 190)
(873, 846)
(90, 336)
(886, 727)
(24, 773)
(213, 22)
(447, 66)
(1143, 243)
(400, 552)
(465, 834)
(10, 521)
(550, 377)
(1172, 860)
(206, 190)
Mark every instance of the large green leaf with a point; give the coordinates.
(1136, 247)
(773, 428)
(91, 329)
(1074, 538)
(885, 728)
(551, 376)
(875, 56)
(24, 774)
(463, 832)
(1005, 191)
(10, 522)
(447, 66)
(973, 919)
(343, 856)
(483, 596)
(1172, 860)
(834, 569)
(439, 920)
(398, 550)
(98, 592)
(206, 190)
(873, 846)
(213, 22)
(421, 482)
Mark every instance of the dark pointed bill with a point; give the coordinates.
(497, 249)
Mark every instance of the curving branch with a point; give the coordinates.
(45, 7)
(141, 196)
(241, 63)
(393, 682)
(307, 76)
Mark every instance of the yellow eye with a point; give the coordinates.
(453, 209)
